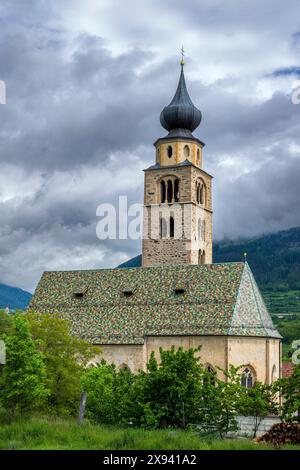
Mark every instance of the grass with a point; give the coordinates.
(41, 433)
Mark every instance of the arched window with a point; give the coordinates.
(124, 367)
(172, 227)
(186, 151)
(199, 256)
(201, 194)
(157, 155)
(163, 228)
(176, 190)
(162, 191)
(198, 156)
(169, 151)
(211, 374)
(247, 379)
(170, 191)
(203, 257)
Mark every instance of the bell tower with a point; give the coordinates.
(177, 214)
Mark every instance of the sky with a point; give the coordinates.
(86, 81)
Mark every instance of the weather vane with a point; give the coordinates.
(182, 55)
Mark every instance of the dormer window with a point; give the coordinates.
(127, 293)
(179, 291)
(79, 292)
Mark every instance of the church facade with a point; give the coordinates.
(178, 297)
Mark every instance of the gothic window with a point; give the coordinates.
(162, 191)
(186, 151)
(170, 191)
(172, 225)
(169, 151)
(211, 374)
(176, 190)
(203, 257)
(202, 194)
(247, 379)
(163, 228)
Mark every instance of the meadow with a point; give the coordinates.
(50, 433)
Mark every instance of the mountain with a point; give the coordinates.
(13, 297)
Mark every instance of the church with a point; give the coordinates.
(178, 296)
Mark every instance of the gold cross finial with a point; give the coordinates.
(182, 55)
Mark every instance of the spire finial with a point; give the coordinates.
(245, 256)
(182, 56)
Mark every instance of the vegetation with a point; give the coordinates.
(58, 434)
(46, 372)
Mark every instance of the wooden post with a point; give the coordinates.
(82, 407)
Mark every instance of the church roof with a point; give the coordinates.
(122, 306)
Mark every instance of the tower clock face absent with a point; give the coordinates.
(177, 203)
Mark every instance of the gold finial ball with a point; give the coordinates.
(182, 62)
(245, 255)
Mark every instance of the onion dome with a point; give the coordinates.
(181, 112)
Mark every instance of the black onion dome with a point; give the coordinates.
(181, 112)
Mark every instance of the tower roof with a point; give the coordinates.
(181, 113)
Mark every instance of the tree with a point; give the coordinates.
(289, 388)
(219, 401)
(23, 381)
(259, 402)
(6, 323)
(65, 357)
(108, 393)
(168, 392)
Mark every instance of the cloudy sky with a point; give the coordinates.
(86, 81)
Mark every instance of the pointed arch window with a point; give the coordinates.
(247, 379)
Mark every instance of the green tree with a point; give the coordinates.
(23, 381)
(167, 393)
(108, 393)
(258, 402)
(65, 357)
(6, 323)
(219, 401)
(289, 388)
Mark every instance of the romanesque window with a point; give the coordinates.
(162, 191)
(169, 151)
(169, 190)
(163, 228)
(186, 151)
(200, 192)
(176, 190)
(247, 379)
(124, 366)
(172, 227)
